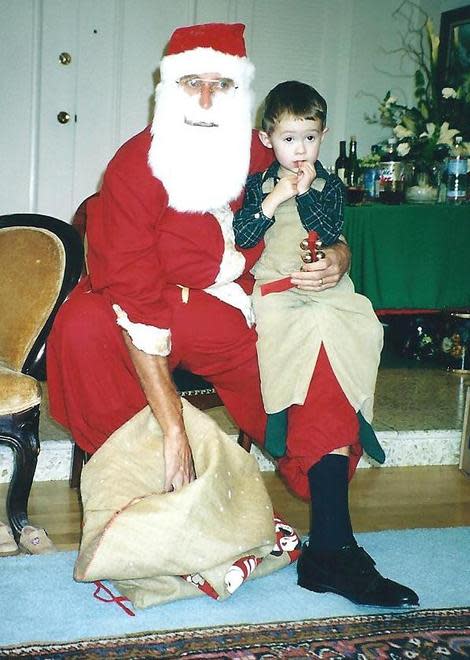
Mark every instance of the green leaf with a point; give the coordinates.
(419, 79)
(424, 110)
(420, 92)
(409, 123)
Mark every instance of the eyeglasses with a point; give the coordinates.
(194, 85)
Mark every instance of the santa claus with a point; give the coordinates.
(166, 287)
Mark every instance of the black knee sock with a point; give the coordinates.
(330, 527)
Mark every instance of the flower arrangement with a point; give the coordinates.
(425, 132)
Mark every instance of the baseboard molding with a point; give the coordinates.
(402, 448)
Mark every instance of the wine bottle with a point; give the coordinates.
(457, 173)
(353, 171)
(354, 183)
(341, 163)
(390, 154)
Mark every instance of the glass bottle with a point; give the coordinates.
(390, 154)
(341, 163)
(456, 173)
(371, 176)
(392, 176)
(354, 181)
(353, 170)
(375, 150)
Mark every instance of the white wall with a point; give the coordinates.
(340, 46)
(19, 35)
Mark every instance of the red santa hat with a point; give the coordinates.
(208, 48)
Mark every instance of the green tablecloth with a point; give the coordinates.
(410, 256)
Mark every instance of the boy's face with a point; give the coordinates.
(295, 140)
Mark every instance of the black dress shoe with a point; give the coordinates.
(351, 572)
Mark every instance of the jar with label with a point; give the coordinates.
(391, 176)
(392, 181)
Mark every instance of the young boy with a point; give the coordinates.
(326, 343)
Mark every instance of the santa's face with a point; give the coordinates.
(207, 101)
(204, 87)
(201, 140)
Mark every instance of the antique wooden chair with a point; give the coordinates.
(41, 260)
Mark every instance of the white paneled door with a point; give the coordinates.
(56, 115)
(57, 106)
(76, 80)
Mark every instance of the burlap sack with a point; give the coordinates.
(144, 540)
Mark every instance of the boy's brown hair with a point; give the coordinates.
(293, 98)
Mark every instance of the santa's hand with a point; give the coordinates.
(305, 176)
(179, 466)
(324, 273)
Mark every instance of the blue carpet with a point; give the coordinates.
(39, 601)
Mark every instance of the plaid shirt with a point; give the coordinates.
(318, 211)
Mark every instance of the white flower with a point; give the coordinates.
(402, 132)
(449, 93)
(429, 132)
(446, 134)
(403, 148)
(390, 101)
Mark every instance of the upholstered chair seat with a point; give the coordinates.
(18, 392)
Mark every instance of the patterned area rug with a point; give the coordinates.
(420, 634)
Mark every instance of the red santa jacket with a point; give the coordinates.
(138, 245)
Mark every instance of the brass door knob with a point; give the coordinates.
(63, 117)
(65, 58)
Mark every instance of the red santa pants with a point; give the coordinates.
(94, 389)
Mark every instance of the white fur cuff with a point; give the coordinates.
(147, 338)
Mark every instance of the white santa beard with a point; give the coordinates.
(202, 168)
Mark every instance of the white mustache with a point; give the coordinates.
(194, 115)
(204, 124)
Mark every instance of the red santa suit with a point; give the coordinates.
(152, 271)
(140, 253)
